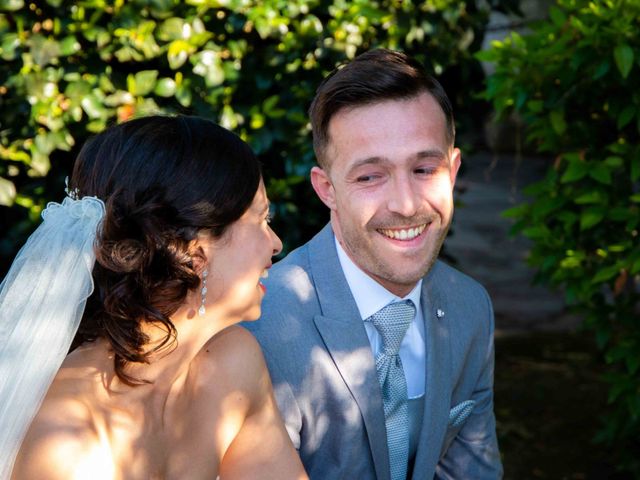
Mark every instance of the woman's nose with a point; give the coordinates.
(277, 243)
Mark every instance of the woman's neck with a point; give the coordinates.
(170, 363)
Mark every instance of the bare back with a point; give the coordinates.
(218, 417)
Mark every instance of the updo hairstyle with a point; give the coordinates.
(163, 180)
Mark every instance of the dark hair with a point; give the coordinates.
(163, 180)
(372, 77)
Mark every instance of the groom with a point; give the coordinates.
(382, 356)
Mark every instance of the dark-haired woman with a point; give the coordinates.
(142, 271)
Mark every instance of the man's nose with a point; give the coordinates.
(403, 198)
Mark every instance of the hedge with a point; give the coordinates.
(72, 68)
(575, 82)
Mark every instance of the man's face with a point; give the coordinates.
(390, 187)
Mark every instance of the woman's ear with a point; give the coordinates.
(199, 258)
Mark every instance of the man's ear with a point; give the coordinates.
(456, 160)
(324, 188)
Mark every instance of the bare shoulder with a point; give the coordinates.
(61, 443)
(232, 338)
(228, 381)
(251, 403)
(232, 358)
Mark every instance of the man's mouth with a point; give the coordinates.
(403, 233)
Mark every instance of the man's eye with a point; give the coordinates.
(366, 178)
(425, 170)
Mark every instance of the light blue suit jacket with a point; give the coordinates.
(325, 381)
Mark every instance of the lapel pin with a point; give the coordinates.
(439, 313)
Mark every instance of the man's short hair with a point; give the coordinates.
(372, 77)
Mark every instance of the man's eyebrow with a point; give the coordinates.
(376, 160)
(367, 161)
(431, 153)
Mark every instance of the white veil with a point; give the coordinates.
(42, 299)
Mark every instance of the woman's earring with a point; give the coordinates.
(201, 310)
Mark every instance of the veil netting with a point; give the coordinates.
(42, 300)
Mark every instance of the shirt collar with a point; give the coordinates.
(369, 295)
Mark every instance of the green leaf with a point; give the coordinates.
(536, 232)
(619, 214)
(602, 70)
(183, 95)
(44, 50)
(635, 168)
(178, 52)
(614, 161)
(575, 171)
(40, 164)
(7, 192)
(535, 106)
(69, 46)
(591, 217)
(602, 338)
(11, 5)
(207, 64)
(557, 16)
(487, 55)
(557, 121)
(626, 116)
(145, 82)
(516, 212)
(166, 87)
(8, 45)
(545, 205)
(517, 40)
(605, 274)
(120, 97)
(601, 173)
(615, 391)
(571, 262)
(633, 362)
(623, 55)
(590, 197)
(93, 106)
(567, 217)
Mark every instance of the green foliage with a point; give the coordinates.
(575, 80)
(72, 68)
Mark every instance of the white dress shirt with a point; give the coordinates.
(370, 297)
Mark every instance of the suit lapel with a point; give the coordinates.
(438, 376)
(346, 340)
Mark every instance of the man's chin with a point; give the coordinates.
(403, 278)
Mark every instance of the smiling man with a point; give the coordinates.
(381, 355)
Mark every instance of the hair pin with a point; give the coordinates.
(71, 193)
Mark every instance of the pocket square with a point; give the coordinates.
(459, 413)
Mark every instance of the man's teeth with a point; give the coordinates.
(264, 274)
(404, 233)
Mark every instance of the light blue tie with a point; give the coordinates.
(392, 323)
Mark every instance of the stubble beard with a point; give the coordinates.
(363, 254)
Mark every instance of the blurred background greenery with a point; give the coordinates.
(71, 68)
(568, 78)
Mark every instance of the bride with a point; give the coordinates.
(143, 272)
